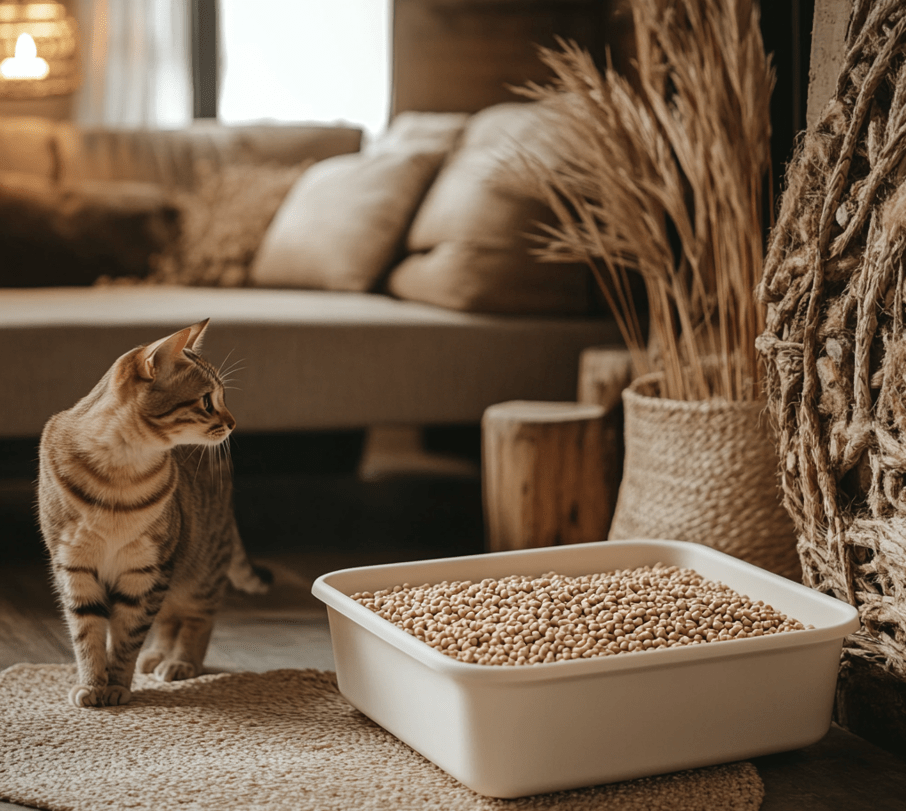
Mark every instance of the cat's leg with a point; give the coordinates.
(186, 658)
(159, 642)
(131, 618)
(188, 616)
(86, 611)
(177, 644)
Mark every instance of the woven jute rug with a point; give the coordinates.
(285, 739)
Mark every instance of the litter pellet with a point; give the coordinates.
(523, 620)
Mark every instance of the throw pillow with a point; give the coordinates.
(472, 237)
(72, 234)
(343, 224)
(415, 129)
(483, 278)
(224, 219)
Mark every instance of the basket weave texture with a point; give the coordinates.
(834, 344)
(703, 471)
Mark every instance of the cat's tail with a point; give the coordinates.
(243, 574)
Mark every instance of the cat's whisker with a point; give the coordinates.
(233, 367)
(225, 460)
(195, 449)
(220, 370)
(214, 451)
(227, 457)
(200, 460)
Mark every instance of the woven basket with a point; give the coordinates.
(835, 346)
(704, 472)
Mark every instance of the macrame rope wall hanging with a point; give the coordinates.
(834, 345)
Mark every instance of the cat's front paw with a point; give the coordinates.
(148, 661)
(84, 696)
(174, 670)
(116, 694)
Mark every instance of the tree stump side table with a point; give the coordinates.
(543, 477)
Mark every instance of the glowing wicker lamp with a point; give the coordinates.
(39, 54)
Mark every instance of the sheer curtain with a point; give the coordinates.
(306, 60)
(137, 68)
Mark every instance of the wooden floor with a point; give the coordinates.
(303, 526)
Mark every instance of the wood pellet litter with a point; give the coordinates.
(522, 620)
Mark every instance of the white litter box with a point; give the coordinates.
(510, 731)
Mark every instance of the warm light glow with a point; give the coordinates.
(26, 64)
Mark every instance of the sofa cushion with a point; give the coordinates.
(312, 359)
(179, 158)
(74, 233)
(344, 223)
(470, 237)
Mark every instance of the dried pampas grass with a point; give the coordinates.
(662, 176)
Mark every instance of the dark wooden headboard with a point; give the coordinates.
(461, 55)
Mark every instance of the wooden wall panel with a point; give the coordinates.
(460, 55)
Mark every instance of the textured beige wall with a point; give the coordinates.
(828, 32)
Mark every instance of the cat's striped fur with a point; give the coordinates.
(138, 519)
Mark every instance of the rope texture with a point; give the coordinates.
(834, 344)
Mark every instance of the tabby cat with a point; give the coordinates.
(138, 519)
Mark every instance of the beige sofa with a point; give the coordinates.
(387, 285)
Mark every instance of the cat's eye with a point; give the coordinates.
(207, 404)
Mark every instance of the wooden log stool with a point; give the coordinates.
(543, 476)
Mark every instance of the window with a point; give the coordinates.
(305, 60)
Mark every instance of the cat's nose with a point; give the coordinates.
(228, 420)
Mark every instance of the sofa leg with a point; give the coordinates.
(399, 450)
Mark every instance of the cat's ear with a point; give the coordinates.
(153, 356)
(197, 335)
